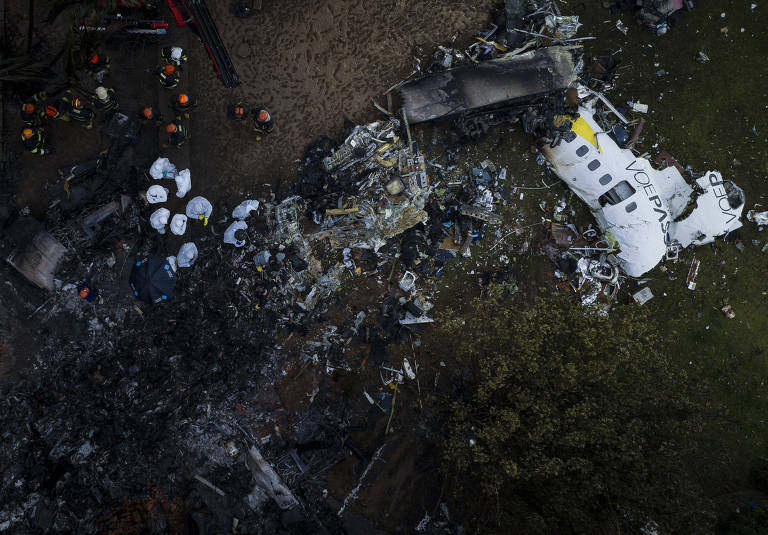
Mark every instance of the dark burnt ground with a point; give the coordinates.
(122, 407)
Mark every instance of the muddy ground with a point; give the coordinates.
(314, 64)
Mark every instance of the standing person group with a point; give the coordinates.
(81, 109)
(261, 120)
(72, 105)
(173, 59)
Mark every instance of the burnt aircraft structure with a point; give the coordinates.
(491, 92)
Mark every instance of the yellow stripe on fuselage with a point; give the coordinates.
(581, 128)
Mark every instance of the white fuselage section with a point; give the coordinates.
(637, 205)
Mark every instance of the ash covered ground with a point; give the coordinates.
(120, 417)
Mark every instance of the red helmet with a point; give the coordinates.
(27, 133)
(28, 107)
(170, 128)
(51, 111)
(183, 98)
(85, 292)
(77, 103)
(239, 111)
(93, 59)
(147, 112)
(169, 69)
(263, 116)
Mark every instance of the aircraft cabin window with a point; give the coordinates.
(631, 207)
(594, 164)
(581, 151)
(620, 192)
(605, 180)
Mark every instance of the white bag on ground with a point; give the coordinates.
(183, 183)
(187, 255)
(178, 224)
(159, 219)
(199, 208)
(242, 210)
(156, 194)
(229, 234)
(162, 168)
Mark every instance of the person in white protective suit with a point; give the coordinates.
(235, 233)
(242, 210)
(159, 219)
(187, 255)
(178, 224)
(157, 194)
(199, 208)
(183, 183)
(162, 168)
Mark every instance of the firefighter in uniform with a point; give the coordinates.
(168, 75)
(97, 66)
(174, 55)
(177, 134)
(56, 110)
(106, 100)
(148, 115)
(239, 112)
(182, 105)
(31, 108)
(263, 123)
(81, 114)
(33, 138)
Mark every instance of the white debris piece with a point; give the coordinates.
(643, 296)
(242, 210)
(759, 218)
(183, 183)
(408, 369)
(162, 168)
(187, 255)
(268, 481)
(199, 208)
(179, 224)
(159, 219)
(157, 194)
(408, 281)
(232, 236)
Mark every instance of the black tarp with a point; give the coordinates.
(153, 280)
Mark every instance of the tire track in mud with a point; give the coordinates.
(312, 64)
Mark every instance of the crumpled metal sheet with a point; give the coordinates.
(503, 80)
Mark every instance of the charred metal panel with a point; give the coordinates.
(473, 87)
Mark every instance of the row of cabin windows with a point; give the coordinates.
(620, 192)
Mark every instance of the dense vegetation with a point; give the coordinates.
(569, 422)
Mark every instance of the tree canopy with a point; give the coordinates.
(568, 422)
